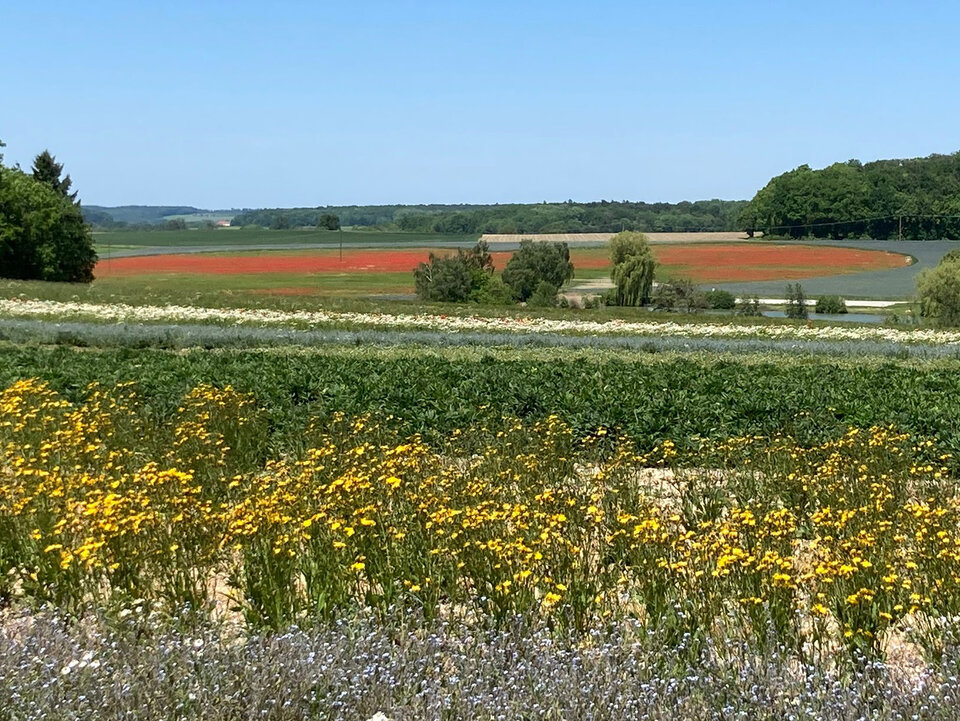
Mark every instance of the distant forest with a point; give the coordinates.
(569, 217)
(918, 199)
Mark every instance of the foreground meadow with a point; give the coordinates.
(495, 534)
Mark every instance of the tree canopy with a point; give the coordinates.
(456, 278)
(42, 232)
(918, 197)
(938, 290)
(47, 170)
(594, 217)
(537, 262)
(633, 266)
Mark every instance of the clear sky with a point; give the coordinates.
(284, 103)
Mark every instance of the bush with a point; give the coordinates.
(454, 279)
(749, 306)
(832, 304)
(535, 263)
(493, 292)
(544, 296)
(681, 295)
(721, 299)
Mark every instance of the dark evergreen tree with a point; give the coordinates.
(47, 170)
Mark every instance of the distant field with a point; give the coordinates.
(245, 236)
(388, 271)
(708, 237)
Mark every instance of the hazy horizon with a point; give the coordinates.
(301, 104)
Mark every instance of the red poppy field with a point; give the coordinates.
(701, 263)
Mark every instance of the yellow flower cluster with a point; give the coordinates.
(841, 540)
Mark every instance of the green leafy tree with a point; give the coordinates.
(328, 221)
(721, 299)
(42, 233)
(536, 262)
(938, 290)
(455, 278)
(47, 170)
(544, 295)
(633, 267)
(915, 198)
(832, 304)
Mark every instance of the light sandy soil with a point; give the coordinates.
(724, 237)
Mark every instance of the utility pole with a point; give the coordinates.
(340, 230)
(900, 233)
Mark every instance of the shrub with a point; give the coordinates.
(535, 263)
(681, 295)
(830, 304)
(493, 292)
(749, 306)
(544, 296)
(721, 299)
(454, 278)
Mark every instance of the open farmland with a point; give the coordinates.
(389, 270)
(659, 505)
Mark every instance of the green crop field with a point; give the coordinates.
(115, 239)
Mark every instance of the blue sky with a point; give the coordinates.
(252, 104)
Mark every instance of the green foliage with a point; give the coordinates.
(599, 217)
(680, 295)
(535, 263)
(42, 233)
(832, 304)
(938, 290)
(633, 268)
(796, 302)
(749, 306)
(494, 292)
(855, 200)
(544, 296)
(950, 256)
(456, 278)
(719, 299)
(47, 170)
(434, 392)
(328, 221)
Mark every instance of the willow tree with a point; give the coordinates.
(633, 267)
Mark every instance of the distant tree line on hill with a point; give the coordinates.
(599, 217)
(916, 199)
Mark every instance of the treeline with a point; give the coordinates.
(917, 198)
(569, 217)
(125, 216)
(349, 215)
